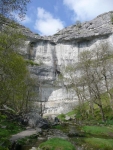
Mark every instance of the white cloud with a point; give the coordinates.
(46, 24)
(88, 9)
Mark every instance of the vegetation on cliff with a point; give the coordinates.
(16, 85)
(91, 79)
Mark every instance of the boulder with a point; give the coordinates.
(34, 120)
(56, 120)
(67, 118)
(33, 148)
(43, 125)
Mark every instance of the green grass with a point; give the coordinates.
(98, 130)
(86, 117)
(63, 127)
(56, 144)
(61, 117)
(7, 128)
(98, 143)
(109, 122)
(71, 112)
(59, 127)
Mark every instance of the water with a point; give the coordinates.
(77, 142)
(36, 144)
(28, 147)
(74, 136)
(62, 133)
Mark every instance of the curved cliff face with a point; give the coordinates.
(57, 51)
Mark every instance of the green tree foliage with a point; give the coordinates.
(15, 83)
(91, 78)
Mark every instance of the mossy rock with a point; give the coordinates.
(56, 144)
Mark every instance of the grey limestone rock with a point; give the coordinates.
(54, 53)
(63, 48)
(67, 118)
(36, 121)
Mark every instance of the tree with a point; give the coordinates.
(92, 75)
(9, 7)
(73, 82)
(15, 82)
(85, 66)
(104, 57)
(96, 70)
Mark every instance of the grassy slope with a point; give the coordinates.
(99, 130)
(57, 144)
(97, 116)
(99, 134)
(98, 143)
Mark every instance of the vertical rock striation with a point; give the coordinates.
(55, 52)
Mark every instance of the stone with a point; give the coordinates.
(56, 134)
(41, 138)
(43, 125)
(39, 148)
(67, 118)
(35, 120)
(39, 130)
(3, 127)
(16, 146)
(57, 51)
(56, 120)
(33, 148)
(27, 128)
(54, 53)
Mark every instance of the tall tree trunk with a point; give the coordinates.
(109, 94)
(102, 113)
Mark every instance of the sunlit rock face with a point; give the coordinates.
(52, 57)
(55, 52)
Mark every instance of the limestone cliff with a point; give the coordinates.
(55, 52)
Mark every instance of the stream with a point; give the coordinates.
(68, 132)
(72, 133)
(28, 147)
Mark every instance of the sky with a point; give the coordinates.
(46, 17)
